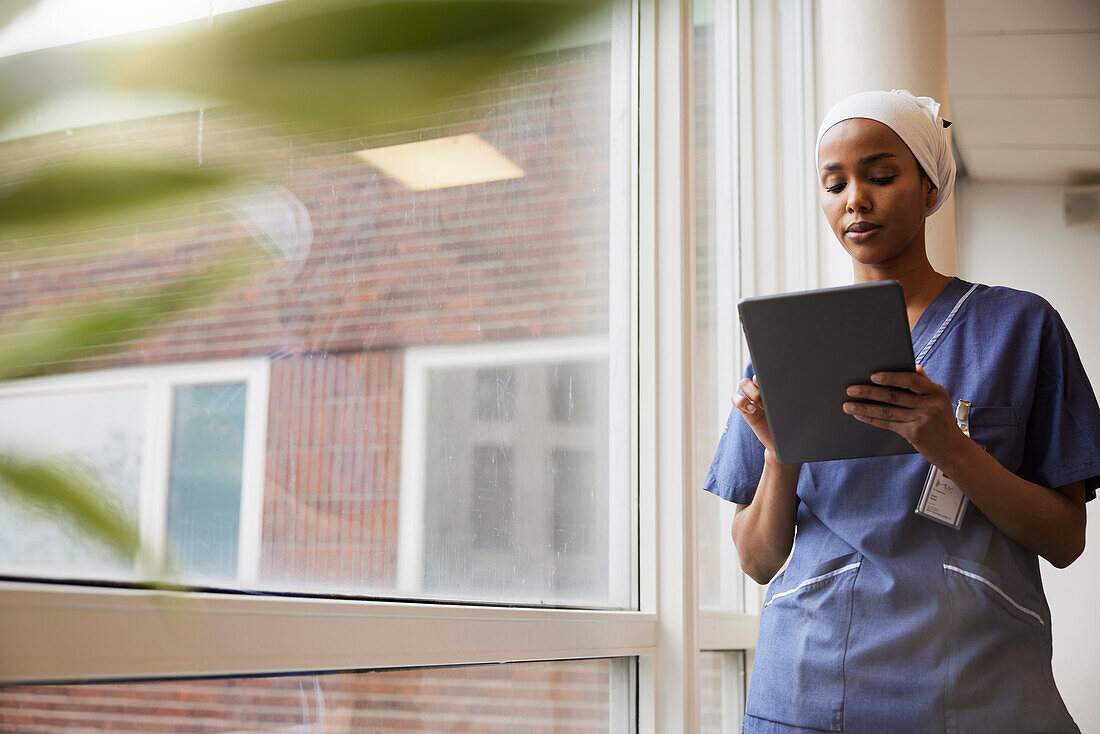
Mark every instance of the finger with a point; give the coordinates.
(912, 381)
(750, 389)
(885, 413)
(885, 425)
(744, 404)
(893, 395)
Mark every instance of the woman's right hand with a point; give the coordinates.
(751, 407)
(763, 530)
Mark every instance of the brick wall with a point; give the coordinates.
(535, 698)
(333, 448)
(388, 267)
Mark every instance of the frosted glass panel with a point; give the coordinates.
(100, 433)
(516, 482)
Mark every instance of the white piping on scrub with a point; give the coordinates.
(814, 580)
(996, 588)
(946, 321)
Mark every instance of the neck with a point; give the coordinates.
(919, 281)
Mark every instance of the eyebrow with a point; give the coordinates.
(865, 160)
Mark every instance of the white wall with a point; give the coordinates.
(1014, 235)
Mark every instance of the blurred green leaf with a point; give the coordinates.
(54, 342)
(72, 494)
(342, 62)
(84, 193)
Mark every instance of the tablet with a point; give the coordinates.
(808, 347)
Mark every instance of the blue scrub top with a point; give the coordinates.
(885, 621)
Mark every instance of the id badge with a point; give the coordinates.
(942, 500)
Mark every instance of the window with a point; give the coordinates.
(447, 436)
(179, 447)
(508, 485)
(582, 697)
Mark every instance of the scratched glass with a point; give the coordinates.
(423, 382)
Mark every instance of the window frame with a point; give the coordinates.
(159, 383)
(126, 634)
(419, 361)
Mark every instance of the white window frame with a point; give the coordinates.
(159, 383)
(419, 361)
(57, 633)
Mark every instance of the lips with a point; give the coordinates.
(862, 231)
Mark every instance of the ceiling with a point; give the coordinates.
(1025, 89)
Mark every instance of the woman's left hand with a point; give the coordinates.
(913, 406)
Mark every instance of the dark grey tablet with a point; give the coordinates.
(808, 347)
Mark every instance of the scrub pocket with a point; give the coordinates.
(997, 428)
(798, 672)
(999, 676)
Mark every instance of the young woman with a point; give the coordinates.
(885, 620)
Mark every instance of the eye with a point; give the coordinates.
(835, 188)
(882, 180)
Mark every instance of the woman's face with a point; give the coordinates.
(872, 192)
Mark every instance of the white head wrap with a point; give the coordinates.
(916, 120)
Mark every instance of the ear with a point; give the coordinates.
(932, 195)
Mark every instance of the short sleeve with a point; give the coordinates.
(1062, 441)
(739, 461)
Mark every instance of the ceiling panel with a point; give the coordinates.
(1025, 89)
(1058, 65)
(1037, 165)
(1027, 16)
(1032, 122)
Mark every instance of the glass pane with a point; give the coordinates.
(445, 361)
(721, 691)
(715, 294)
(575, 697)
(204, 486)
(528, 519)
(96, 432)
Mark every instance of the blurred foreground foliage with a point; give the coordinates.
(315, 64)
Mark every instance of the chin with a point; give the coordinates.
(875, 252)
(872, 256)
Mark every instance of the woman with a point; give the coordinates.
(885, 620)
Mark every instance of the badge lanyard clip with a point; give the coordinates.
(942, 500)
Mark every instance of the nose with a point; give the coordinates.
(858, 198)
